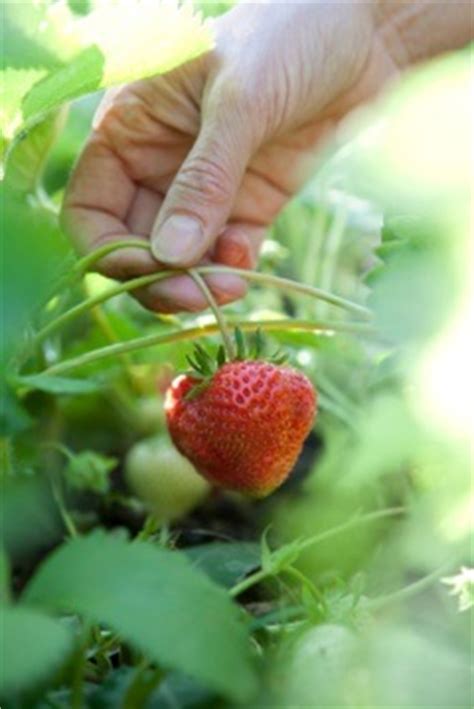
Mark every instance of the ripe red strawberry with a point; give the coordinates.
(244, 427)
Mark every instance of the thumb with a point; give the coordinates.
(201, 197)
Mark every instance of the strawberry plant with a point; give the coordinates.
(271, 557)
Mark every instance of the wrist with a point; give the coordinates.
(420, 29)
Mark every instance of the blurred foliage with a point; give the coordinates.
(335, 608)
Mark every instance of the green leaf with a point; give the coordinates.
(156, 601)
(194, 365)
(148, 38)
(221, 356)
(259, 344)
(241, 345)
(39, 33)
(58, 385)
(30, 238)
(279, 357)
(14, 85)
(204, 359)
(27, 160)
(177, 690)
(225, 563)
(197, 389)
(81, 76)
(90, 471)
(34, 646)
(29, 519)
(13, 417)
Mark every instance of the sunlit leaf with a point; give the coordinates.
(81, 76)
(33, 253)
(14, 85)
(27, 161)
(40, 31)
(148, 38)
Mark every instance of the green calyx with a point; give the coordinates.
(204, 365)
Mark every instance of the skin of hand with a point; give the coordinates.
(201, 160)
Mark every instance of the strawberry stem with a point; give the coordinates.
(220, 320)
(95, 300)
(268, 571)
(142, 281)
(288, 285)
(192, 333)
(85, 263)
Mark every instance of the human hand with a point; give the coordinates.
(202, 159)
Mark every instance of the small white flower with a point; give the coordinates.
(463, 587)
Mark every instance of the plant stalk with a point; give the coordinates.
(226, 338)
(262, 574)
(201, 331)
(265, 278)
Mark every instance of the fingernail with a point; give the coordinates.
(179, 241)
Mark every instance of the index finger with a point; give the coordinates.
(97, 201)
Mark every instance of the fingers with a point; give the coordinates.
(180, 293)
(201, 197)
(95, 209)
(238, 247)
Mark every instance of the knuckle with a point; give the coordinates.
(206, 180)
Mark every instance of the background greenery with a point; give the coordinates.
(350, 586)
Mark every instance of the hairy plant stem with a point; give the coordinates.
(262, 574)
(57, 489)
(291, 286)
(193, 333)
(412, 589)
(226, 338)
(85, 263)
(93, 301)
(265, 278)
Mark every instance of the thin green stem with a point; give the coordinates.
(66, 517)
(250, 581)
(95, 300)
(412, 589)
(291, 286)
(354, 522)
(201, 331)
(332, 247)
(226, 338)
(84, 264)
(270, 280)
(150, 528)
(305, 582)
(56, 487)
(262, 574)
